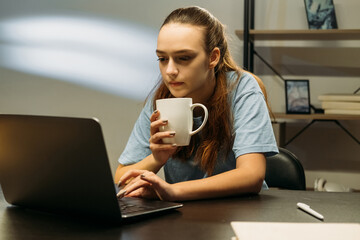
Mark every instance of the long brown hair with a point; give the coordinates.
(217, 135)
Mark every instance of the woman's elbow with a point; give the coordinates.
(257, 183)
(257, 186)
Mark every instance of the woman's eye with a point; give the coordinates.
(161, 59)
(185, 58)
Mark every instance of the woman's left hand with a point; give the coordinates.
(146, 184)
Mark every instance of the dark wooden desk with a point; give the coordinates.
(207, 219)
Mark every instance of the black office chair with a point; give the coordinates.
(285, 171)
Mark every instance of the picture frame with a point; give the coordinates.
(320, 14)
(297, 94)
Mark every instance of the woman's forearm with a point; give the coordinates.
(248, 177)
(244, 179)
(230, 183)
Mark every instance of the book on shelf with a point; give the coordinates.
(340, 105)
(340, 97)
(342, 111)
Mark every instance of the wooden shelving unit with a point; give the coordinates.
(317, 116)
(317, 35)
(320, 35)
(249, 35)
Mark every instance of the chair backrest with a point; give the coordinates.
(285, 171)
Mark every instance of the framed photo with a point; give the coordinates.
(320, 14)
(297, 96)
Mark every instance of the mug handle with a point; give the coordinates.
(205, 117)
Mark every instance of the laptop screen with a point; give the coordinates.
(57, 164)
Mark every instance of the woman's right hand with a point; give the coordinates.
(161, 151)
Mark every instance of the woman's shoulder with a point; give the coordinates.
(148, 108)
(243, 82)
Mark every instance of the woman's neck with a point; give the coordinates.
(208, 90)
(206, 96)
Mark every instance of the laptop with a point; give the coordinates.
(60, 164)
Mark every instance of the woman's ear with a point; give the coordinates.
(214, 57)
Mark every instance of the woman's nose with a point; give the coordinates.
(171, 68)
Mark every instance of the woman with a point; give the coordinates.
(228, 156)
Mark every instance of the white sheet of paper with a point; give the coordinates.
(295, 231)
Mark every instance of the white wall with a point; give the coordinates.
(95, 67)
(55, 58)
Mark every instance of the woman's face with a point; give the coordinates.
(183, 62)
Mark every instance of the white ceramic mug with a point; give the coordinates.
(179, 113)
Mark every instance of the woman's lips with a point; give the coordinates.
(175, 84)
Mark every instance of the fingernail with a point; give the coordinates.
(165, 121)
(156, 111)
(172, 134)
(121, 193)
(174, 145)
(142, 175)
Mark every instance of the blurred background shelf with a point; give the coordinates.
(322, 35)
(317, 116)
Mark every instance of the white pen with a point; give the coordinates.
(307, 208)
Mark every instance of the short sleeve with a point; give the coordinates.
(137, 147)
(252, 125)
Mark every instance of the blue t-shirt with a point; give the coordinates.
(251, 128)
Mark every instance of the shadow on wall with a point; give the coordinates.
(22, 93)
